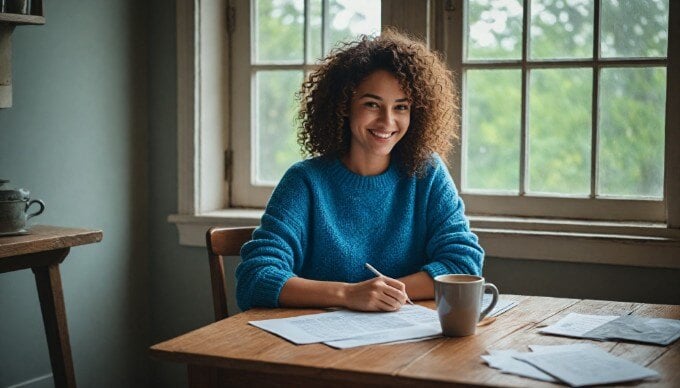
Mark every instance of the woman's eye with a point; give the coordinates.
(371, 104)
(402, 107)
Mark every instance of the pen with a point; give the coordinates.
(377, 273)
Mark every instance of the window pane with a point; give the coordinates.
(279, 26)
(493, 29)
(634, 28)
(275, 128)
(631, 147)
(314, 31)
(561, 29)
(349, 18)
(559, 131)
(493, 103)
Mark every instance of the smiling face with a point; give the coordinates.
(379, 117)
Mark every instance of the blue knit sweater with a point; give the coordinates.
(324, 222)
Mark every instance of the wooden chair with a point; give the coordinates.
(223, 242)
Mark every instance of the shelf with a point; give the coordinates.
(21, 19)
(35, 16)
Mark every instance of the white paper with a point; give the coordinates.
(417, 333)
(343, 324)
(559, 348)
(409, 334)
(502, 306)
(344, 329)
(586, 365)
(658, 331)
(503, 360)
(576, 325)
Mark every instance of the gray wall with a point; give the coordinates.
(587, 281)
(93, 133)
(77, 138)
(179, 282)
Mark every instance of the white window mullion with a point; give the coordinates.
(453, 26)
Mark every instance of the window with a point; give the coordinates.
(519, 211)
(564, 107)
(279, 42)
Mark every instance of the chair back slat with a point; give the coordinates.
(228, 241)
(222, 241)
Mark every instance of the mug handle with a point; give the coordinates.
(494, 300)
(31, 202)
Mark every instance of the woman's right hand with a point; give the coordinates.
(377, 294)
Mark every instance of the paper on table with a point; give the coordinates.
(558, 348)
(418, 332)
(659, 331)
(415, 333)
(503, 360)
(343, 324)
(502, 306)
(576, 325)
(586, 365)
(361, 327)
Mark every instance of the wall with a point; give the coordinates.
(179, 283)
(586, 281)
(77, 138)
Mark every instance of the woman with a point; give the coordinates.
(375, 118)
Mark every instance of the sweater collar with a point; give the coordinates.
(349, 179)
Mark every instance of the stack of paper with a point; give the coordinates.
(658, 331)
(347, 329)
(344, 329)
(576, 365)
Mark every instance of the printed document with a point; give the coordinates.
(344, 329)
(658, 331)
(344, 324)
(419, 332)
(576, 325)
(503, 360)
(502, 306)
(586, 365)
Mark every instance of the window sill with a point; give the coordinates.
(614, 243)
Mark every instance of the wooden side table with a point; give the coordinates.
(42, 250)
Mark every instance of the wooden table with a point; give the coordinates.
(232, 353)
(42, 250)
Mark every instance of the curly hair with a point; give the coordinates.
(326, 98)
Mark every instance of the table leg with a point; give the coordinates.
(51, 296)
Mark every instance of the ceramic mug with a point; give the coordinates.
(14, 214)
(459, 303)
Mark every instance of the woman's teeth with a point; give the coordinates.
(382, 135)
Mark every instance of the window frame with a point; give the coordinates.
(567, 207)
(204, 112)
(244, 193)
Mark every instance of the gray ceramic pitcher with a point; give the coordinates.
(14, 205)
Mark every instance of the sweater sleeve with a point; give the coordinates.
(451, 247)
(270, 258)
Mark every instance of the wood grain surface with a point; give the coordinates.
(235, 353)
(46, 238)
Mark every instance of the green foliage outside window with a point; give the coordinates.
(630, 108)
